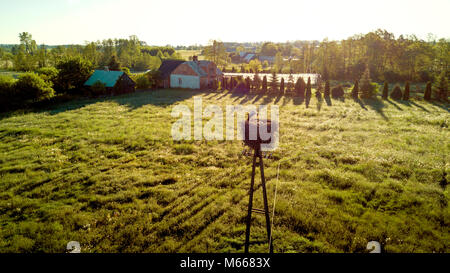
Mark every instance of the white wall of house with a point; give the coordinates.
(184, 81)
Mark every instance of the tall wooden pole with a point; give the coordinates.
(266, 205)
(250, 204)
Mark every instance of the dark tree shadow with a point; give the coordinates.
(247, 98)
(215, 94)
(377, 105)
(307, 101)
(161, 97)
(406, 103)
(328, 101)
(278, 98)
(268, 99)
(257, 97)
(419, 106)
(442, 105)
(298, 100)
(286, 100)
(358, 100)
(319, 103)
(394, 104)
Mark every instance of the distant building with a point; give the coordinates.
(291, 58)
(193, 74)
(247, 57)
(269, 59)
(115, 81)
(166, 68)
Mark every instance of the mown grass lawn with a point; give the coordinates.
(106, 173)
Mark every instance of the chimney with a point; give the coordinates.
(106, 68)
(195, 58)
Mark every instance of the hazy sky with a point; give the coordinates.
(185, 22)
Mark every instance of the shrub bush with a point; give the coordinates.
(142, 82)
(300, 87)
(6, 91)
(48, 74)
(6, 83)
(337, 92)
(98, 89)
(31, 88)
(397, 93)
(368, 89)
(73, 73)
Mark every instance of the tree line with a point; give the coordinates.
(390, 58)
(132, 53)
(363, 87)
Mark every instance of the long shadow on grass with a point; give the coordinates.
(358, 100)
(307, 101)
(298, 100)
(133, 101)
(224, 94)
(158, 98)
(394, 104)
(278, 98)
(442, 105)
(377, 105)
(319, 103)
(286, 100)
(410, 103)
(257, 97)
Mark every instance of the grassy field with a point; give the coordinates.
(106, 173)
(185, 54)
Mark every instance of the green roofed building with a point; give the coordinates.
(116, 82)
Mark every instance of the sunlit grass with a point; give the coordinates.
(106, 173)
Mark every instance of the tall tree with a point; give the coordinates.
(282, 86)
(274, 81)
(308, 89)
(385, 91)
(114, 64)
(442, 87)
(264, 84)
(406, 93)
(355, 90)
(216, 52)
(366, 84)
(428, 90)
(327, 89)
(290, 85)
(256, 81)
(26, 39)
(279, 63)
